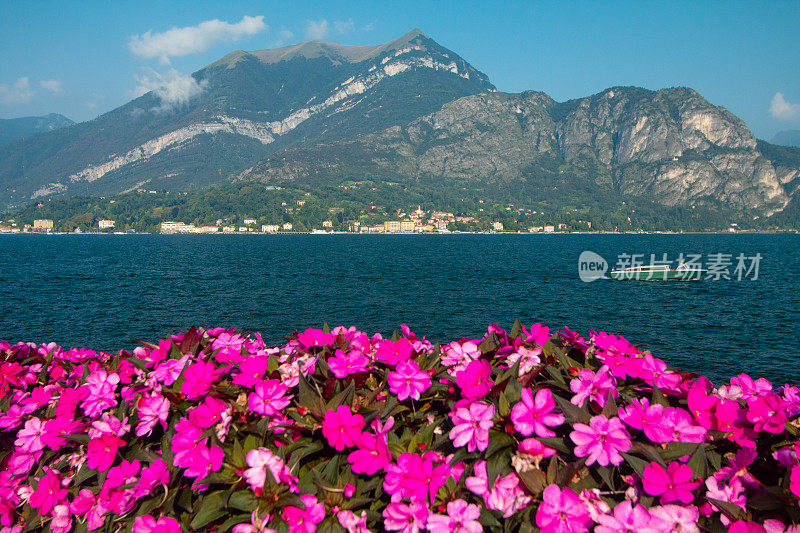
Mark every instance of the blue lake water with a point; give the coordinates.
(107, 291)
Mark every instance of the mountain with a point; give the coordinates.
(670, 145)
(787, 138)
(16, 128)
(245, 106)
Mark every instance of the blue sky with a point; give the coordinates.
(76, 58)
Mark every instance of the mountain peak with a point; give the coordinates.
(337, 53)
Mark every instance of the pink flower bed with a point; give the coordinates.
(211, 430)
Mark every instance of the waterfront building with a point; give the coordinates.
(249, 222)
(43, 224)
(287, 226)
(327, 224)
(391, 226)
(497, 226)
(549, 228)
(105, 224)
(270, 228)
(406, 225)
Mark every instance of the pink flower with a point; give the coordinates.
(342, 364)
(534, 415)
(261, 461)
(504, 495)
(207, 413)
(594, 386)
(304, 520)
(528, 359)
(562, 511)
(197, 379)
(152, 409)
(62, 519)
(48, 493)
(733, 493)
(148, 524)
(702, 405)
(100, 452)
(152, 476)
(475, 380)
(461, 518)
(30, 438)
(602, 440)
(269, 398)
(768, 413)
(256, 525)
(471, 425)
(101, 386)
(794, 480)
(352, 523)
(675, 518)
(341, 427)
(673, 484)
(405, 517)
(408, 381)
(626, 518)
(122, 474)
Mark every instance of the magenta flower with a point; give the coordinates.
(408, 381)
(626, 518)
(148, 524)
(673, 484)
(353, 523)
(315, 338)
(415, 477)
(62, 519)
(48, 493)
(472, 422)
(342, 364)
(538, 334)
(602, 440)
(768, 413)
(341, 427)
(702, 405)
(643, 416)
(392, 352)
(534, 415)
(676, 425)
(462, 517)
(122, 474)
(269, 398)
(405, 517)
(197, 379)
(475, 380)
(562, 511)
(100, 452)
(102, 387)
(732, 492)
(207, 413)
(252, 370)
(372, 454)
(593, 386)
(304, 520)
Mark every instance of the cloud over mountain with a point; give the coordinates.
(19, 92)
(317, 29)
(782, 109)
(173, 88)
(177, 42)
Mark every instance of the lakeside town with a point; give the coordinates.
(417, 221)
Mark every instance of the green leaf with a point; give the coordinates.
(698, 462)
(499, 440)
(235, 520)
(499, 465)
(557, 443)
(345, 397)
(573, 412)
(503, 407)
(83, 438)
(675, 450)
(636, 463)
(731, 510)
(516, 329)
(534, 479)
(210, 508)
(489, 344)
(244, 500)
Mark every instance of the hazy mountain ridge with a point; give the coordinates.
(787, 138)
(259, 106)
(12, 129)
(671, 145)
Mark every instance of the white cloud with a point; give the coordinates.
(172, 88)
(19, 92)
(781, 109)
(94, 101)
(317, 29)
(53, 86)
(283, 36)
(369, 26)
(344, 26)
(193, 39)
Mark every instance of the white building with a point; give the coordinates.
(287, 226)
(549, 228)
(42, 223)
(105, 224)
(327, 224)
(270, 228)
(249, 222)
(497, 226)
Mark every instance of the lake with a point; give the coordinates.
(107, 291)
